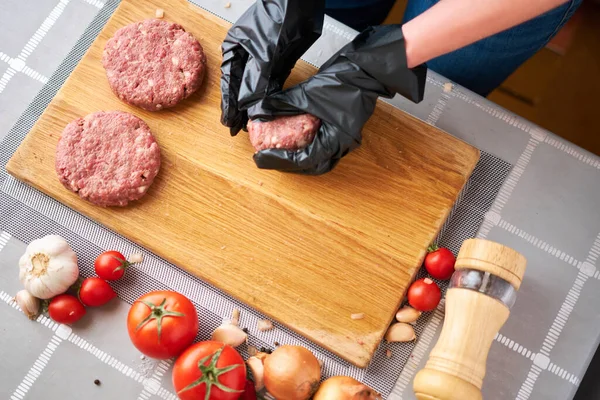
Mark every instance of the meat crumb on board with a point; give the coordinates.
(160, 13)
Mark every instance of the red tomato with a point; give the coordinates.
(95, 292)
(424, 295)
(111, 265)
(162, 324)
(249, 391)
(211, 371)
(440, 263)
(66, 309)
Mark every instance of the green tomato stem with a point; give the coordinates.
(433, 247)
(157, 313)
(124, 264)
(210, 375)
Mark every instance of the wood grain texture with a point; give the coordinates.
(307, 251)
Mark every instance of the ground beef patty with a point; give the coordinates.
(289, 132)
(108, 158)
(153, 64)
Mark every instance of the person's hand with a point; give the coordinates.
(343, 94)
(261, 49)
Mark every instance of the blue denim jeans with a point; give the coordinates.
(359, 14)
(484, 65)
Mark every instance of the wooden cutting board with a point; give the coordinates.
(307, 251)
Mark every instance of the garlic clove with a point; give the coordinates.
(258, 371)
(230, 334)
(400, 332)
(407, 314)
(136, 258)
(235, 316)
(29, 304)
(264, 325)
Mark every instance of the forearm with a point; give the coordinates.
(452, 24)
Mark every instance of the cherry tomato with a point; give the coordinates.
(162, 324)
(424, 295)
(111, 265)
(440, 263)
(66, 309)
(95, 292)
(249, 391)
(209, 370)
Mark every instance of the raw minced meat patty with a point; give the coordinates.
(288, 132)
(153, 64)
(108, 158)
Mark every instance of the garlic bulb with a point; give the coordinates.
(48, 267)
(28, 304)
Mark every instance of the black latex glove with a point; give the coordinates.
(343, 94)
(261, 49)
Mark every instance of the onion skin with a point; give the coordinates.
(292, 373)
(345, 388)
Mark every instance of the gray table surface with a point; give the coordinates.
(547, 209)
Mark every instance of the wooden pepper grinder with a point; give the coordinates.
(482, 290)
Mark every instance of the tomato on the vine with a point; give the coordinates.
(209, 370)
(162, 324)
(424, 295)
(95, 292)
(439, 262)
(66, 309)
(111, 265)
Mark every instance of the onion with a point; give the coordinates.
(345, 388)
(292, 373)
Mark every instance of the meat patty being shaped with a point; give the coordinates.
(288, 132)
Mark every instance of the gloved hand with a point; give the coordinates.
(343, 94)
(260, 51)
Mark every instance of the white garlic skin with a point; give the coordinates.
(48, 267)
(136, 258)
(230, 334)
(29, 304)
